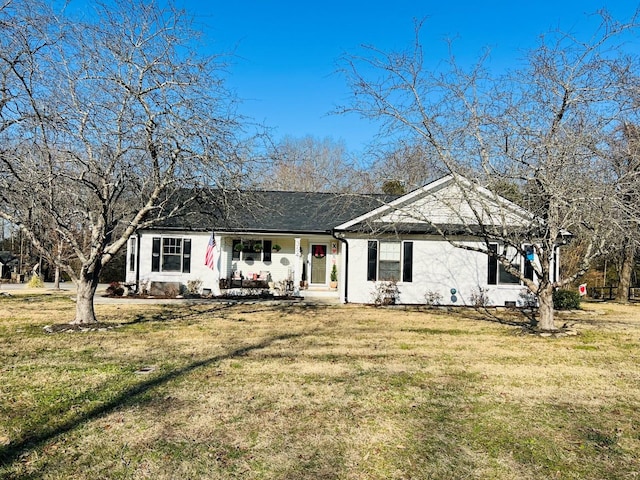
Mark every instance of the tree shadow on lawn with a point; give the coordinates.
(35, 439)
(171, 313)
(515, 317)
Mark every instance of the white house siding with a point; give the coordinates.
(438, 267)
(199, 271)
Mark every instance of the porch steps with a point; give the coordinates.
(321, 295)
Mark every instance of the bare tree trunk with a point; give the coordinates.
(628, 260)
(545, 308)
(56, 279)
(57, 273)
(86, 290)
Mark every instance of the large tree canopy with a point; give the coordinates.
(102, 123)
(543, 128)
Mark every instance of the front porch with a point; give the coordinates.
(281, 264)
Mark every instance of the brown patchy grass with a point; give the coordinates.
(266, 392)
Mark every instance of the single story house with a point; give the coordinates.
(8, 262)
(291, 241)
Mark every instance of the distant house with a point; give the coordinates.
(293, 239)
(7, 263)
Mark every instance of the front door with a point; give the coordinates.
(319, 263)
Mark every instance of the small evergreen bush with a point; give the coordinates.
(566, 300)
(334, 273)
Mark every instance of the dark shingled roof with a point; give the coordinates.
(6, 257)
(262, 211)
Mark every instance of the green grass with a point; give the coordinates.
(258, 392)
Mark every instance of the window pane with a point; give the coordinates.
(389, 261)
(514, 259)
(171, 263)
(172, 246)
(390, 251)
(506, 277)
(389, 271)
(172, 254)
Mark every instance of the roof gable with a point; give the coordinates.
(450, 202)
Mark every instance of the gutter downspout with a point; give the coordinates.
(137, 260)
(346, 264)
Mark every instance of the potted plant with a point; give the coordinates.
(257, 247)
(276, 247)
(334, 277)
(238, 247)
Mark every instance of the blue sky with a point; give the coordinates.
(286, 51)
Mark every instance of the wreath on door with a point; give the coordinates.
(319, 251)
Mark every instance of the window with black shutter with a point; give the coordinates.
(389, 261)
(372, 260)
(186, 256)
(171, 254)
(497, 273)
(155, 255)
(492, 277)
(266, 252)
(407, 262)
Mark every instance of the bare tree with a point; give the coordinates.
(409, 164)
(542, 127)
(309, 164)
(103, 124)
(625, 165)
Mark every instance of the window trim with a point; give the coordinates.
(405, 260)
(133, 251)
(264, 255)
(494, 267)
(158, 254)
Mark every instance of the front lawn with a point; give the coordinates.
(273, 392)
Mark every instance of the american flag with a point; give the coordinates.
(208, 257)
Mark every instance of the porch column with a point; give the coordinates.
(297, 270)
(217, 266)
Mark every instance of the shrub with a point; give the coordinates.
(35, 282)
(115, 289)
(334, 273)
(566, 300)
(432, 298)
(528, 299)
(193, 287)
(386, 293)
(480, 297)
